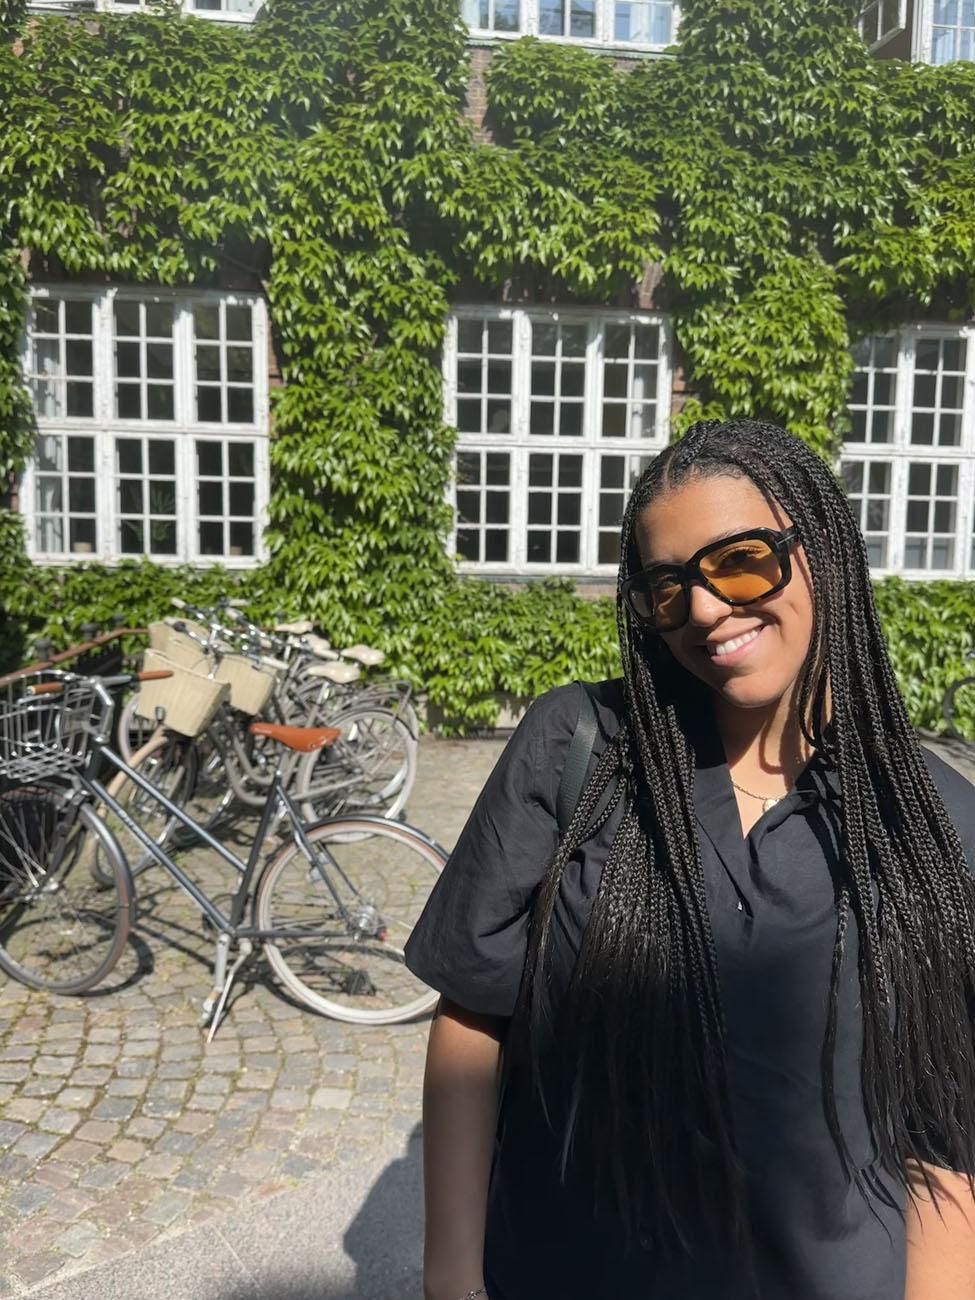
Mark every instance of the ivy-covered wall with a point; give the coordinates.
(794, 190)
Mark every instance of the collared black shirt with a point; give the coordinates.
(771, 899)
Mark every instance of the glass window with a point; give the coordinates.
(225, 361)
(914, 493)
(144, 361)
(492, 15)
(107, 370)
(881, 18)
(874, 387)
(953, 31)
(643, 22)
(576, 414)
(61, 358)
(868, 486)
(484, 506)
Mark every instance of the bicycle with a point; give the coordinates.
(331, 908)
(958, 707)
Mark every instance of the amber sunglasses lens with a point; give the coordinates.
(742, 571)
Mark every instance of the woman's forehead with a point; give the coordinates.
(680, 520)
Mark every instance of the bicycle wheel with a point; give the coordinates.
(169, 762)
(58, 929)
(370, 769)
(958, 709)
(347, 916)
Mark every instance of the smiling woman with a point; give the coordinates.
(730, 1003)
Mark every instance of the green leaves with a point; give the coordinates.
(792, 189)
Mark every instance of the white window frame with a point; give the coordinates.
(185, 430)
(603, 36)
(187, 6)
(899, 452)
(897, 30)
(521, 444)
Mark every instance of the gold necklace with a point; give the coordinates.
(767, 801)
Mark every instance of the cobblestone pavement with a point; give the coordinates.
(118, 1125)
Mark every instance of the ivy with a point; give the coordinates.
(794, 192)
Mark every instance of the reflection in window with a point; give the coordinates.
(483, 506)
(226, 498)
(953, 31)
(61, 361)
(644, 22)
(868, 485)
(146, 476)
(492, 15)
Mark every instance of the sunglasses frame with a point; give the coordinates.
(780, 543)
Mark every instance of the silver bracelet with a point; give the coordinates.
(472, 1295)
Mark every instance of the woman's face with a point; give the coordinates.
(676, 525)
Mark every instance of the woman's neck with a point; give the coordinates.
(766, 739)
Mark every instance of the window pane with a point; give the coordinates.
(469, 335)
(241, 538)
(209, 458)
(210, 498)
(241, 459)
(78, 317)
(240, 405)
(206, 322)
(160, 403)
(162, 458)
(208, 407)
(211, 538)
(240, 325)
(81, 454)
(128, 318)
(159, 319)
(240, 365)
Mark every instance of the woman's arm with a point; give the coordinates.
(460, 1103)
(941, 1239)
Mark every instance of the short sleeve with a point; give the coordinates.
(470, 942)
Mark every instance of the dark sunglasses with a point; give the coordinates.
(738, 570)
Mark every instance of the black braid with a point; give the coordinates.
(648, 1112)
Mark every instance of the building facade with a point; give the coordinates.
(153, 407)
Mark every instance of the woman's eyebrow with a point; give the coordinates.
(722, 536)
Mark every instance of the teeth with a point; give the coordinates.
(726, 647)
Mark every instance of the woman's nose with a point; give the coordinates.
(704, 606)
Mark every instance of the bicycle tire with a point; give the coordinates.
(950, 712)
(344, 972)
(369, 771)
(40, 920)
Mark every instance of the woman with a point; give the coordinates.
(735, 999)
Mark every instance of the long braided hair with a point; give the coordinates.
(644, 1104)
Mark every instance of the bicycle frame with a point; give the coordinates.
(278, 804)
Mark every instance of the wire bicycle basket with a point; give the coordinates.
(46, 733)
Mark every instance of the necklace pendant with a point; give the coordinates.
(768, 804)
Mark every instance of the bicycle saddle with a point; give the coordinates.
(303, 739)
(340, 674)
(365, 654)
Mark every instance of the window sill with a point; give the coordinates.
(164, 562)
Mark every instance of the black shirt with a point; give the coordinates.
(772, 906)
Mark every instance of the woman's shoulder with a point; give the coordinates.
(555, 713)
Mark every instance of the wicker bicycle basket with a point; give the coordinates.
(178, 646)
(49, 735)
(251, 685)
(186, 702)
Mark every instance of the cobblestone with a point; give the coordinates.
(121, 1123)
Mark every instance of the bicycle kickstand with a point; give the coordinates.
(215, 1005)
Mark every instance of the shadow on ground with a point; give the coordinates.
(383, 1243)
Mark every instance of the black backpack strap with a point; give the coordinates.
(577, 760)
